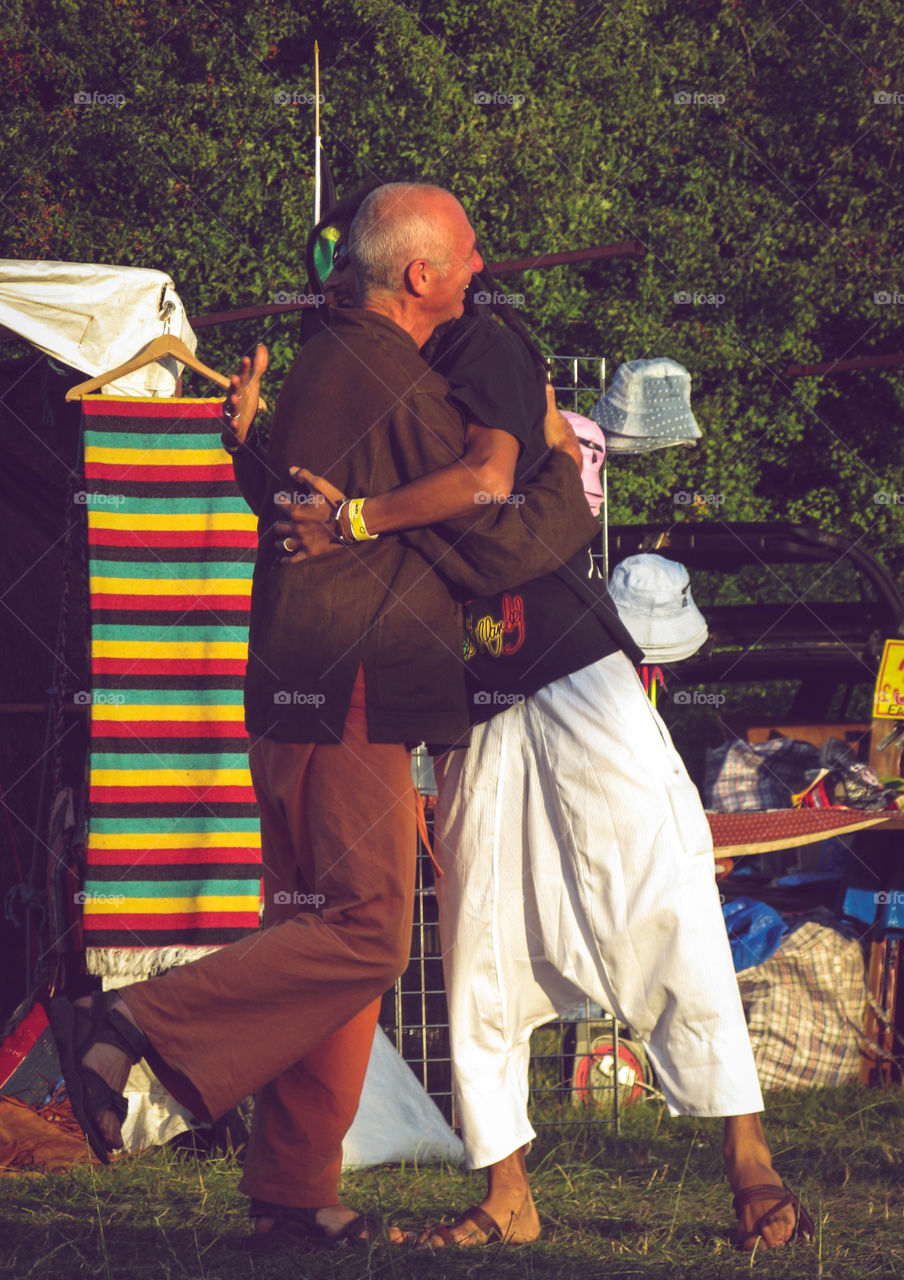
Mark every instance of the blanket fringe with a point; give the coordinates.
(119, 965)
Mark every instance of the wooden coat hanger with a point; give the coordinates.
(159, 349)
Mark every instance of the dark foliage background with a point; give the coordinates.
(755, 150)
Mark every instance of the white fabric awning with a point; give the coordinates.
(94, 317)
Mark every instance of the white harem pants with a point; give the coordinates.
(578, 861)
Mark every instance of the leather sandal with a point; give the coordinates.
(475, 1216)
(76, 1029)
(783, 1196)
(293, 1226)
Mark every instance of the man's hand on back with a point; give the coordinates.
(308, 524)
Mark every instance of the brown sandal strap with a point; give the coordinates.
(481, 1219)
(444, 1234)
(765, 1191)
(783, 1196)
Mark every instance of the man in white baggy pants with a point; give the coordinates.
(578, 862)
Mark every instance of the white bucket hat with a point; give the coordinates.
(648, 406)
(654, 601)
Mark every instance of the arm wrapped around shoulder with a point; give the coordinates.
(526, 535)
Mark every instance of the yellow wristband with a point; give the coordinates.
(356, 521)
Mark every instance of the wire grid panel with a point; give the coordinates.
(414, 1013)
(578, 381)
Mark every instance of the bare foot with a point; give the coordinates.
(113, 1066)
(749, 1164)
(333, 1218)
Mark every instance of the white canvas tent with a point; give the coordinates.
(94, 317)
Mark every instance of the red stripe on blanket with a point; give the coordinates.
(167, 666)
(145, 471)
(146, 924)
(171, 537)
(168, 729)
(170, 604)
(148, 409)
(170, 857)
(213, 795)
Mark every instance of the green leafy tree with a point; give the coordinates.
(755, 152)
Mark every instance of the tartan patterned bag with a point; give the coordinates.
(765, 776)
(804, 1009)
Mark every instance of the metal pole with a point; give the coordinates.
(616, 1113)
(316, 133)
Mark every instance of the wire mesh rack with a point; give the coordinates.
(578, 381)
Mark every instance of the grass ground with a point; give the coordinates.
(650, 1204)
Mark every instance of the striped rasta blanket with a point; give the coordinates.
(173, 851)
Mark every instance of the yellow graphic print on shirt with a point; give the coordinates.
(497, 637)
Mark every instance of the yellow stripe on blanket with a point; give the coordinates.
(169, 649)
(173, 587)
(131, 778)
(156, 457)
(150, 520)
(148, 841)
(119, 904)
(165, 711)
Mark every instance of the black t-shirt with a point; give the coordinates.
(521, 640)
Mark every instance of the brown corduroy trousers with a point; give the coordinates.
(289, 1013)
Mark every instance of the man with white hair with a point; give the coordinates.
(349, 659)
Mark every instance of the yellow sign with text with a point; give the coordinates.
(889, 701)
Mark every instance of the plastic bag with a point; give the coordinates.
(755, 931)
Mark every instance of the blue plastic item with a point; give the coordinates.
(858, 904)
(755, 931)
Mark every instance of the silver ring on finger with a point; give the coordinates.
(286, 547)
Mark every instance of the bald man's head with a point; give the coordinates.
(397, 225)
